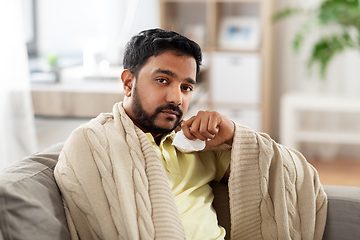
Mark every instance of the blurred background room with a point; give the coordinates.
(289, 68)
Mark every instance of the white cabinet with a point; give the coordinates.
(235, 78)
(236, 87)
(247, 117)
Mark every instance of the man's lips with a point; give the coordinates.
(171, 113)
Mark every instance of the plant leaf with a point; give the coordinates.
(327, 48)
(287, 12)
(304, 30)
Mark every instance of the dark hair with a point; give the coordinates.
(152, 42)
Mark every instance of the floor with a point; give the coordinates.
(342, 172)
(336, 172)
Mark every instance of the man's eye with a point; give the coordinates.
(161, 80)
(188, 88)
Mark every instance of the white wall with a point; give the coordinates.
(64, 26)
(17, 129)
(291, 74)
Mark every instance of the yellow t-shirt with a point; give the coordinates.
(189, 176)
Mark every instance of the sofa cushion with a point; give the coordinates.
(343, 217)
(221, 205)
(30, 201)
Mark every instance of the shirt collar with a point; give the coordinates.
(163, 138)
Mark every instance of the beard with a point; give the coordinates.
(147, 121)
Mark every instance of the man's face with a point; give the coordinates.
(159, 98)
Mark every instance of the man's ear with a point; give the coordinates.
(128, 80)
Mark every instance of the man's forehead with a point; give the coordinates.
(172, 64)
(173, 53)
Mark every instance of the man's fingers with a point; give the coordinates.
(214, 122)
(185, 126)
(211, 126)
(203, 126)
(200, 127)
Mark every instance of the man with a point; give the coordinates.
(121, 177)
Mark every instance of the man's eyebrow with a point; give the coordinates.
(172, 74)
(191, 81)
(167, 72)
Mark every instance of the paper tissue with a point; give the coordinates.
(186, 145)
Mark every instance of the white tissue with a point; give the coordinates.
(185, 144)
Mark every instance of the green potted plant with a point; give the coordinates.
(53, 61)
(339, 23)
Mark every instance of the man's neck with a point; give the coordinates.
(157, 138)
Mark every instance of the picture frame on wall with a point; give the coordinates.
(239, 33)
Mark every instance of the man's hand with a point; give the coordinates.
(210, 126)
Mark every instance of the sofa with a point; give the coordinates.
(31, 205)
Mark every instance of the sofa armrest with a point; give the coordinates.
(343, 218)
(30, 202)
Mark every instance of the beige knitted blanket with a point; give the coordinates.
(115, 187)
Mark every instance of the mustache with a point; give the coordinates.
(171, 107)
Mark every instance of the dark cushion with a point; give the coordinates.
(221, 205)
(343, 218)
(30, 201)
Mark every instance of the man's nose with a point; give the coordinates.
(175, 96)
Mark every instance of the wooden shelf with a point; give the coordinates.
(76, 96)
(200, 20)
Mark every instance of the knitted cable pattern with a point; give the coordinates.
(244, 182)
(141, 185)
(100, 155)
(165, 217)
(283, 185)
(73, 186)
(115, 187)
(280, 165)
(258, 216)
(291, 198)
(98, 141)
(115, 162)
